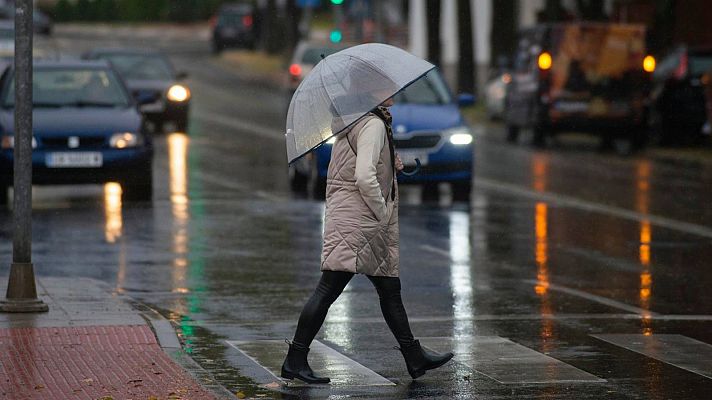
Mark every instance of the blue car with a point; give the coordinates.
(428, 126)
(87, 129)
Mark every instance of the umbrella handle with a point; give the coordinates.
(414, 171)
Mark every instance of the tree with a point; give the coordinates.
(293, 18)
(107, 10)
(63, 11)
(466, 65)
(82, 10)
(433, 22)
(273, 29)
(553, 12)
(591, 10)
(504, 31)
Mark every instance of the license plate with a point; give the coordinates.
(408, 158)
(74, 160)
(229, 32)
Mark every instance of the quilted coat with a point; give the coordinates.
(354, 239)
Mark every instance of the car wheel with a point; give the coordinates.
(539, 136)
(430, 192)
(298, 181)
(317, 184)
(461, 191)
(139, 189)
(158, 127)
(3, 194)
(512, 133)
(217, 47)
(182, 124)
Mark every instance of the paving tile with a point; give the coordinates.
(324, 360)
(678, 350)
(90, 362)
(508, 362)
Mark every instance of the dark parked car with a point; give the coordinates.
(589, 77)
(41, 22)
(87, 129)
(152, 80)
(707, 82)
(234, 25)
(678, 114)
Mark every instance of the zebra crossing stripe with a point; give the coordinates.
(343, 371)
(507, 362)
(678, 350)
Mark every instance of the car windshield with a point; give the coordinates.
(429, 90)
(73, 87)
(140, 66)
(7, 34)
(312, 55)
(232, 18)
(700, 64)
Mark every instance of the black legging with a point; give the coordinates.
(331, 284)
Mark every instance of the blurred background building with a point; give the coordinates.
(467, 38)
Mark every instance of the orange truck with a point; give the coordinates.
(589, 77)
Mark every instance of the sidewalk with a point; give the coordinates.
(90, 345)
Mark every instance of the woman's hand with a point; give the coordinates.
(399, 163)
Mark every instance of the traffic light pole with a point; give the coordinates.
(21, 290)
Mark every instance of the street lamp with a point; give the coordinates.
(21, 290)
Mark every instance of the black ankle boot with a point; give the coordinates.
(419, 360)
(296, 365)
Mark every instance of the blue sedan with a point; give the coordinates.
(428, 126)
(87, 129)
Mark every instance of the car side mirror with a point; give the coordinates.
(181, 75)
(143, 98)
(465, 99)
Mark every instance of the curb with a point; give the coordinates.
(169, 342)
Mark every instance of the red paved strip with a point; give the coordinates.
(94, 362)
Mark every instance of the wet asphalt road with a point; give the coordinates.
(533, 284)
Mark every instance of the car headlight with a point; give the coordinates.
(123, 140)
(460, 136)
(178, 93)
(8, 142)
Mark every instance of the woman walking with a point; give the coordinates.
(360, 237)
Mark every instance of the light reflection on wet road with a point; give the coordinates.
(227, 253)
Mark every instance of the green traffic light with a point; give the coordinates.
(337, 2)
(335, 36)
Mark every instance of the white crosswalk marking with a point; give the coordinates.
(508, 362)
(678, 350)
(343, 371)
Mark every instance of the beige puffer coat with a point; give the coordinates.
(354, 240)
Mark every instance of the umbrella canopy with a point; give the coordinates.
(344, 87)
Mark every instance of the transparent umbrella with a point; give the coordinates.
(344, 87)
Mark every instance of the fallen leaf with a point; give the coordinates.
(152, 398)
(106, 398)
(39, 386)
(135, 381)
(88, 381)
(240, 395)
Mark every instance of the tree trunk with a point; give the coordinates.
(466, 66)
(504, 29)
(294, 15)
(434, 45)
(591, 10)
(272, 30)
(553, 12)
